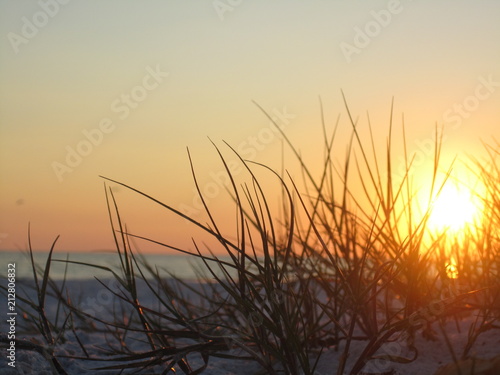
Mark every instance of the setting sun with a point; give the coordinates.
(453, 208)
(250, 187)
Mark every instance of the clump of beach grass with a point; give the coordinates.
(346, 260)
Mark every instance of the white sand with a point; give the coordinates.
(94, 297)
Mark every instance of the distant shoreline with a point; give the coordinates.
(178, 264)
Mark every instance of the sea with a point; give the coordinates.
(185, 267)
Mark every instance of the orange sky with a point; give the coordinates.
(120, 89)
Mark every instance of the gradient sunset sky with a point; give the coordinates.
(120, 88)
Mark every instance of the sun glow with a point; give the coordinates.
(452, 269)
(453, 209)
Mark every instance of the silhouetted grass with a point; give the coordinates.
(347, 260)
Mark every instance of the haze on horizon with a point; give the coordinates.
(120, 89)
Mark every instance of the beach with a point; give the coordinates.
(95, 298)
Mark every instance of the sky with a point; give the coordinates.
(122, 89)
